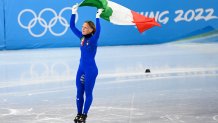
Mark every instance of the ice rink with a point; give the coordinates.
(38, 86)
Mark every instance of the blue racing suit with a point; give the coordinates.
(87, 68)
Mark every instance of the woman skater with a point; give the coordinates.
(87, 71)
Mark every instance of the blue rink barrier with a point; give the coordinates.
(1, 26)
(45, 23)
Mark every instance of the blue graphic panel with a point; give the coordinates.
(1, 26)
(45, 23)
(178, 19)
(38, 23)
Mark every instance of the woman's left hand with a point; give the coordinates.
(99, 13)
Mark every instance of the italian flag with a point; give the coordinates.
(120, 15)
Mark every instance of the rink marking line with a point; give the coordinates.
(36, 92)
(15, 111)
(172, 118)
(34, 82)
(45, 116)
(143, 79)
(131, 107)
(215, 117)
(112, 108)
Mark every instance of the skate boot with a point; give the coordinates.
(77, 118)
(82, 118)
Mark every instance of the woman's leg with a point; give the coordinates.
(80, 91)
(90, 77)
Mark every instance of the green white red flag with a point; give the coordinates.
(120, 15)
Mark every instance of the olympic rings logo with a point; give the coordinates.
(42, 22)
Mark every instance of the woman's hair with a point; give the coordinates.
(92, 25)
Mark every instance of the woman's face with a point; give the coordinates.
(86, 29)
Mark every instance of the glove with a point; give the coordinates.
(75, 8)
(99, 13)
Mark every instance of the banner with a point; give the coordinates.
(45, 23)
(38, 23)
(179, 19)
(1, 26)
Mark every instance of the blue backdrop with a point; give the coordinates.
(1, 26)
(45, 23)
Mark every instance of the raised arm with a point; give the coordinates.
(72, 22)
(98, 26)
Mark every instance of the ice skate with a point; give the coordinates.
(82, 118)
(77, 118)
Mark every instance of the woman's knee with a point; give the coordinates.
(89, 94)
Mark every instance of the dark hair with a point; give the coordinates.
(92, 25)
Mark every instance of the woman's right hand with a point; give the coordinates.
(75, 8)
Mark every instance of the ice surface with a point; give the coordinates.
(38, 86)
